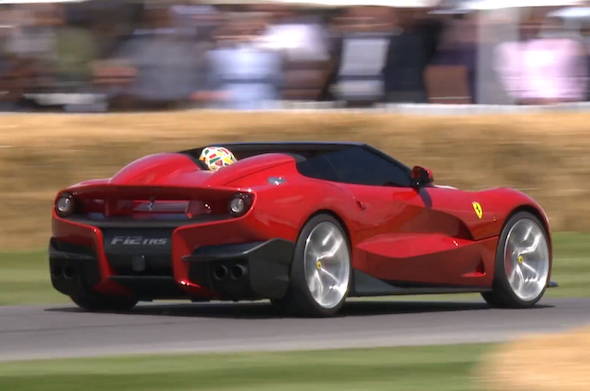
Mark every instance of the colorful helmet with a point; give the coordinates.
(217, 157)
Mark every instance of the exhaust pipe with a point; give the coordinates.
(56, 272)
(220, 273)
(69, 272)
(237, 272)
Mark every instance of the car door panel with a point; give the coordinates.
(414, 236)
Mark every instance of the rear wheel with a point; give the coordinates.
(96, 302)
(320, 272)
(522, 264)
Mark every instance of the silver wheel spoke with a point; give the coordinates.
(510, 243)
(532, 270)
(327, 264)
(532, 248)
(332, 251)
(324, 271)
(526, 235)
(520, 277)
(527, 259)
(516, 278)
(318, 283)
(513, 275)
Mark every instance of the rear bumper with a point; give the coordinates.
(186, 263)
(243, 271)
(248, 271)
(72, 266)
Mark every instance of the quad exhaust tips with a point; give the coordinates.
(236, 272)
(220, 273)
(56, 272)
(67, 272)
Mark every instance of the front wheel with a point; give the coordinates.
(522, 264)
(321, 270)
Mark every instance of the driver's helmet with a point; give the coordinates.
(217, 157)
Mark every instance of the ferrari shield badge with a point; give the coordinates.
(477, 208)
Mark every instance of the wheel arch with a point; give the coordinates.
(336, 216)
(539, 214)
(298, 298)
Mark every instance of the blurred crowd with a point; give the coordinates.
(106, 55)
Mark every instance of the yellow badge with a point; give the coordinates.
(477, 208)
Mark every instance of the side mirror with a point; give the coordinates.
(421, 176)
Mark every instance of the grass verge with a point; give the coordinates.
(441, 368)
(552, 362)
(24, 276)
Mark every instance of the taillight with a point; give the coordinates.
(240, 204)
(65, 205)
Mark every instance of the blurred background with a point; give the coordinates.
(127, 55)
(425, 56)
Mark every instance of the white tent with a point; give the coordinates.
(337, 3)
(383, 3)
(572, 13)
(504, 4)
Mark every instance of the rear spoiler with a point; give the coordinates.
(168, 193)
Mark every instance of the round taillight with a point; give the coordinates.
(240, 204)
(65, 205)
(237, 206)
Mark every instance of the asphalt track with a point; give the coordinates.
(65, 332)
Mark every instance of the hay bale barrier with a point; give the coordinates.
(544, 155)
(559, 362)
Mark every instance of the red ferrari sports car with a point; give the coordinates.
(304, 224)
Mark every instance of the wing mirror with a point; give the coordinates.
(421, 176)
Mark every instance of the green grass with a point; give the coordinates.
(24, 279)
(441, 368)
(24, 276)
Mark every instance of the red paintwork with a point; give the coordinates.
(429, 236)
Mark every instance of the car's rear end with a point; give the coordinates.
(164, 242)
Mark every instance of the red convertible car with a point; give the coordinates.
(304, 224)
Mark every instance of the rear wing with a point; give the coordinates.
(168, 193)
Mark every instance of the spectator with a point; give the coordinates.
(33, 32)
(198, 21)
(457, 55)
(362, 39)
(30, 50)
(303, 42)
(246, 73)
(543, 70)
(157, 68)
(410, 52)
(495, 27)
(75, 49)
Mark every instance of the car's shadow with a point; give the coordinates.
(263, 310)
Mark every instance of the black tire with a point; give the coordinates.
(502, 294)
(298, 301)
(95, 302)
